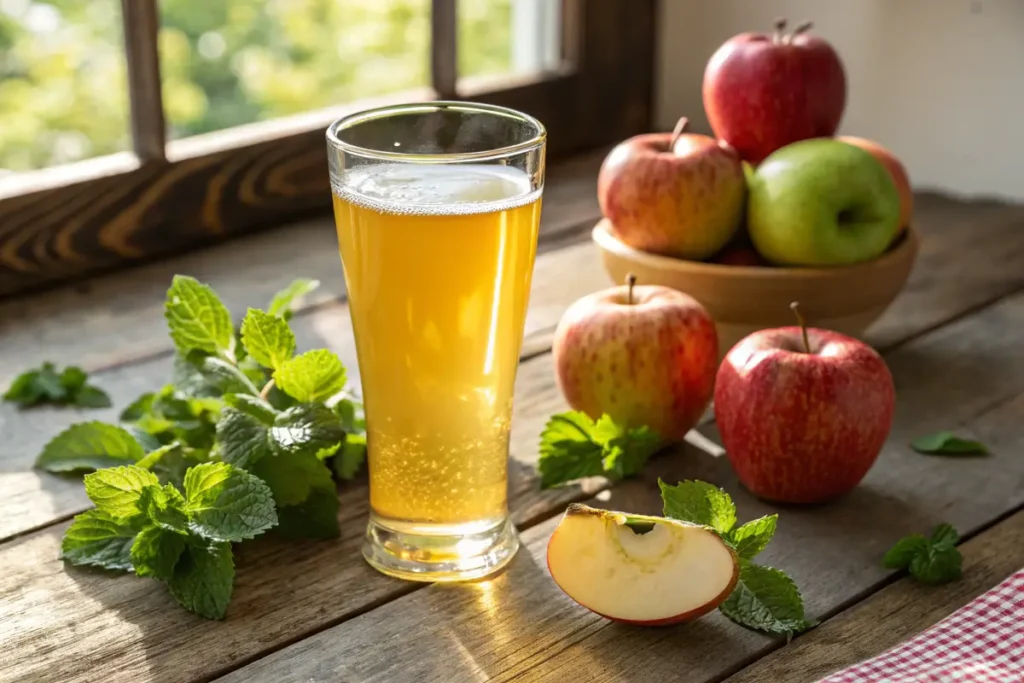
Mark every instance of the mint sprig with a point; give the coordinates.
(574, 446)
(931, 560)
(765, 599)
(948, 443)
(45, 385)
(247, 437)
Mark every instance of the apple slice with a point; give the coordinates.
(641, 570)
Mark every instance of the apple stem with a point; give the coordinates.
(802, 27)
(795, 307)
(780, 28)
(681, 125)
(630, 283)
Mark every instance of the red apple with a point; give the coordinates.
(896, 170)
(645, 355)
(762, 92)
(802, 412)
(646, 571)
(675, 193)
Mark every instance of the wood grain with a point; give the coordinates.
(894, 614)
(519, 626)
(118, 318)
(237, 182)
(141, 26)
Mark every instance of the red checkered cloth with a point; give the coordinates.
(982, 642)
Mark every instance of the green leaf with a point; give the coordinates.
(767, 600)
(243, 439)
(165, 507)
(311, 428)
(350, 456)
(903, 553)
(221, 376)
(156, 551)
(253, 406)
(91, 397)
(945, 534)
(292, 476)
(282, 302)
(267, 338)
(156, 456)
(752, 537)
(948, 443)
(225, 503)
(196, 318)
(312, 377)
(627, 452)
(316, 517)
(203, 578)
(350, 412)
(569, 450)
(73, 379)
(116, 490)
(937, 564)
(97, 539)
(89, 446)
(700, 503)
(138, 408)
(187, 379)
(24, 389)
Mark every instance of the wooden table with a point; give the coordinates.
(316, 612)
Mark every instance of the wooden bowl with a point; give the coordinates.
(743, 299)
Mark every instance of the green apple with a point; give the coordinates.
(822, 202)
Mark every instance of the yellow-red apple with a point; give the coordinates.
(676, 194)
(641, 570)
(645, 355)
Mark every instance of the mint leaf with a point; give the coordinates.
(281, 304)
(931, 560)
(155, 551)
(307, 428)
(292, 476)
(937, 564)
(267, 338)
(155, 457)
(948, 443)
(350, 456)
(752, 537)
(138, 408)
(116, 490)
(170, 463)
(253, 406)
(97, 539)
(569, 450)
(766, 600)
(312, 377)
(351, 414)
(626, 453)
(89, 446)
(315, 517)
(165, 508)
(45, 385)
(202, 579)
(196, 318)
(243, 439)
(700, 503)
(221, 376)
(225, 503)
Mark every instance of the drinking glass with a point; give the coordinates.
(437, 208)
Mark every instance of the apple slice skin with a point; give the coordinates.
(578, 508)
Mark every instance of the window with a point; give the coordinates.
(130, 130)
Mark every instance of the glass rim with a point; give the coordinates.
(538, 140)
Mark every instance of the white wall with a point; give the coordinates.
(939, 82)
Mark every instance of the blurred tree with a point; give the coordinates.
(63, 93)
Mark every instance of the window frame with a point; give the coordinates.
(71, 221)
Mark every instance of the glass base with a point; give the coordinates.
(439, 552)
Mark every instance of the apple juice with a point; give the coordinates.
(438, 262)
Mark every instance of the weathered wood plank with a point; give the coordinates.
(894, 614)
(968, 375)
(116, 318)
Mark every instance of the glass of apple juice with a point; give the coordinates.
(437, 208)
